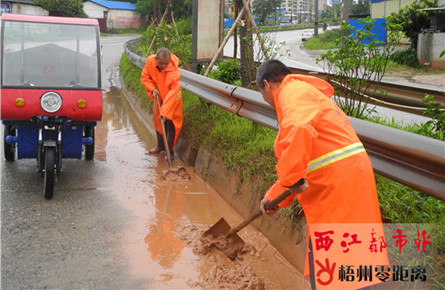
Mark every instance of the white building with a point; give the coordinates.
(304, 9)
(115, 14)
(27, 7)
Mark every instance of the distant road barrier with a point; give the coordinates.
(411, 159)
(390, 95)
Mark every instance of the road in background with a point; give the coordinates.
(292, 55)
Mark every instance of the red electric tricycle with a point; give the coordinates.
(50, 88)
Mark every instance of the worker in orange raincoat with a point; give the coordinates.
(160, 77)
(325, 166)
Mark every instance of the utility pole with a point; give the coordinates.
(316, 19)
(291, 3)
(345, 11)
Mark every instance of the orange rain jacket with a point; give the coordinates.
(316, 141)
(167, 83)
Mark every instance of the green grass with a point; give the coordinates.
(126, 30)
(395, 69)
(415, 128)
(132, 78)
(285, 28)
(246, 148)
(326, 40)
(402, 204)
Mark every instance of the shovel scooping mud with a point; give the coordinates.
(226, 239)
(172, 174)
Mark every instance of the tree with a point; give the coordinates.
(362, 7)
(413, 20)
(264, 8)
(246, 48)
(68, 8)
(155, 8)
(145, 7)
(361, 59)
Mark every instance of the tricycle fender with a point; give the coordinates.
(77, 105)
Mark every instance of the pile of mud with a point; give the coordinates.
(217, 270)
(231, 246)
(176, 174)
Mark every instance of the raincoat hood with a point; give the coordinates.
(324, 87)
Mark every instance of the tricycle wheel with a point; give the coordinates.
(48, 183)
(89, 149)
(9, 148)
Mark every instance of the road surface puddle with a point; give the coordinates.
(163, 219)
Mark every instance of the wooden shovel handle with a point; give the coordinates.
(164, 135)
(258, 212)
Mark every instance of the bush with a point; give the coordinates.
(184, 26)
(360, 58)
(330, 35)
(165, 36)
(437, 123)
(227, 71)
(406, 57)
(325, 40)
(412, 19)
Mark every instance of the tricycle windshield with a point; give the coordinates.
(50, 55)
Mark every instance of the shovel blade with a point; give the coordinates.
(220, 228)
(234, 243)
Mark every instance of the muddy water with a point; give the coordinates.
(166, 219)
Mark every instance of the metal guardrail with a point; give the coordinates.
(402, 98)
(408, 158)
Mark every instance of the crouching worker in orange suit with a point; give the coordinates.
(160, 77)
(325, 166)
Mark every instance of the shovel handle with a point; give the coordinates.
(164, 135)
(273, 203)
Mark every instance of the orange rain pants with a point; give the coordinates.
(167, 83)
(317, 142)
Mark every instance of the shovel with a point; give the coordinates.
(222, 230)
(164, 136)
(179, 173)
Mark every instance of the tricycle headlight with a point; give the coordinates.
(51, 102)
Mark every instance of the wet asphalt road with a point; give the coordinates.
(75, 239)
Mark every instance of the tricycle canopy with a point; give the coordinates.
(52, 61)
(50, 52)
